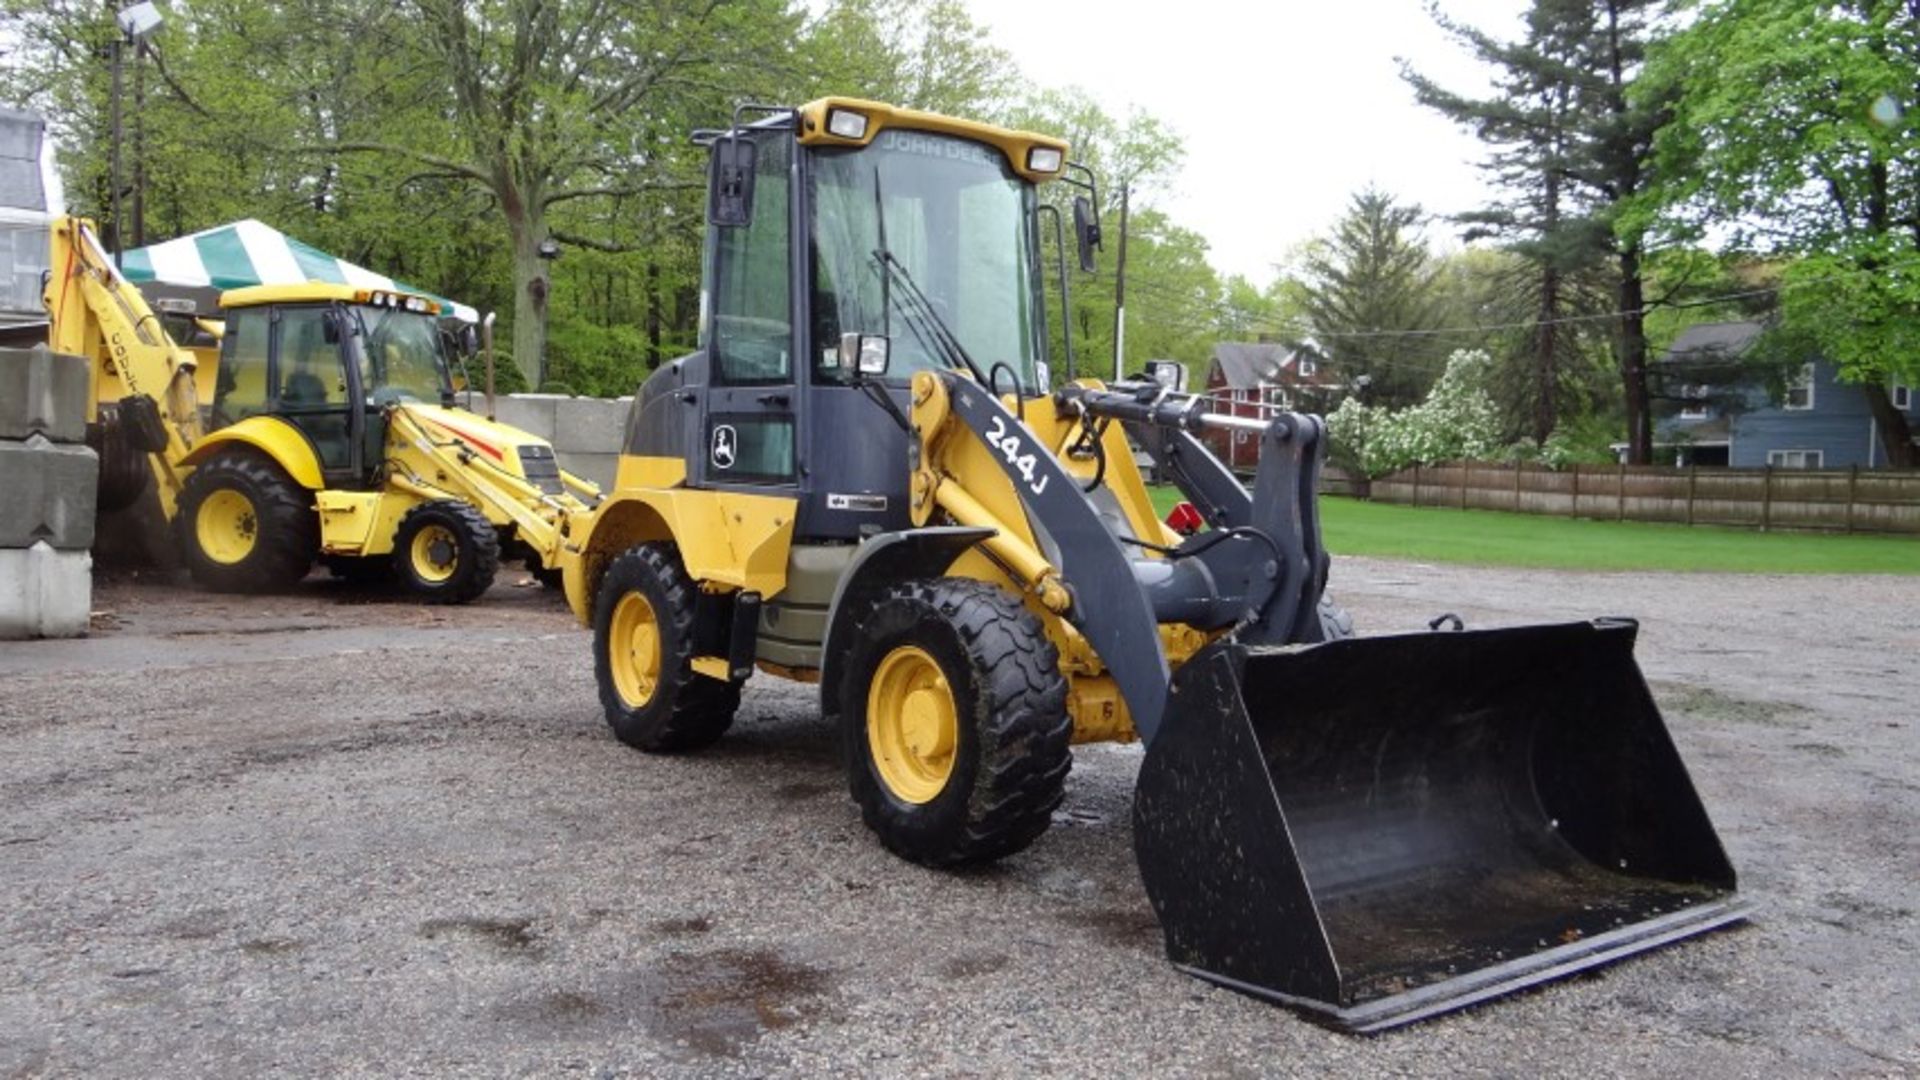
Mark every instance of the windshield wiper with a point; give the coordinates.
(918, 307)
(892, 271)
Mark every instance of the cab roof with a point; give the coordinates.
(1016, 145)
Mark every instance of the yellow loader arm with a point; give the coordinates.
(140, 378)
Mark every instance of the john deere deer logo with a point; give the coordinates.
(726, 442)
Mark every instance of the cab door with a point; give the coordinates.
(315, 388)
(749, 427)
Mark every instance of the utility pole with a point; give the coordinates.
(133, 24)
(113, 164)
(1120, 295)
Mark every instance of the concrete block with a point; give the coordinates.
(44, 593)
(531, 413)
(47, 494)
(43, 392)
(588, 425)
(598, 468)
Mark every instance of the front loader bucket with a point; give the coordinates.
(1380, 829)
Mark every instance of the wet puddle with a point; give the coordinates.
(713, 1003)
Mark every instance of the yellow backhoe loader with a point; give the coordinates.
(866, 478)
(331, 434)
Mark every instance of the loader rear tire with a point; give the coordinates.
(446, 552)
(643, 656)
(954, 721)
(245, 525)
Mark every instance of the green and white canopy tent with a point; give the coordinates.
(250, 252)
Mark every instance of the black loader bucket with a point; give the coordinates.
(1380, 829)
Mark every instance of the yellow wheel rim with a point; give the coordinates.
(435, 553)
(226, 526)
(913, 726)
(633, 649)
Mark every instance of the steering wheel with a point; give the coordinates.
(391, 395)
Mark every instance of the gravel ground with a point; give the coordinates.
(332, 833)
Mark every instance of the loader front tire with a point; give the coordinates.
(643, 656)
(954, 721)
(446, 552)
(245, 525)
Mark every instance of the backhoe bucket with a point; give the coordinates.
(1380, 829)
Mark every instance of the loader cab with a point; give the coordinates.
(806, 202)
(328, 360)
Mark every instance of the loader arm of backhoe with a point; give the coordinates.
(141, 378)
(455, 470)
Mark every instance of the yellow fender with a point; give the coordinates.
(727, 540)
(273, 437)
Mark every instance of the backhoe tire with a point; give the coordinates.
(954, 721)
(245, 525)
(643, 656)
(446, 552)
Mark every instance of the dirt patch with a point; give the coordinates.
(970, 965)
(270, 946)
(709, 1004)
(1127, 928)
(717, 1001)
(1706, 703)
(695, 924)
(510, 936)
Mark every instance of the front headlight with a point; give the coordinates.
(847, 124)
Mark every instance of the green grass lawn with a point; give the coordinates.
(1492, 538)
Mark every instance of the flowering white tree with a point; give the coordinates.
(1457, 421)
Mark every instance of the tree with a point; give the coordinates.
(1572, 145)
(923, 54)
(550, 104)
(1791, 132)
(1456, 421)
(1371, 294)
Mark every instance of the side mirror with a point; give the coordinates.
(730, 182)
(469, 340)
(1171, 374)
(865, 354)
(1086, 230)
(330, 327)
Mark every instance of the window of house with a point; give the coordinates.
(1695, 402)
(1306, 367)
(1902, 396)
(1794, 459)
(1800, 389)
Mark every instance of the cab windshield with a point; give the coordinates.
(400, 356)
(956, 217)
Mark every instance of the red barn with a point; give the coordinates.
(1259, 380)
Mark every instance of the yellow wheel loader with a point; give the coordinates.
(864, 480)
(331, 435)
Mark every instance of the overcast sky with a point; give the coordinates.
(1286, 107)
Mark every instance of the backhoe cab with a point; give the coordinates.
(331, 433)
(866, 478)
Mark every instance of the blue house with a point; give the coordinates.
(1819, 422)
